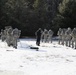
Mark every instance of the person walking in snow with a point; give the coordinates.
(38, 36)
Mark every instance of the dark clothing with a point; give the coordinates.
(38, 37)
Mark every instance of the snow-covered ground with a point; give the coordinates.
(51, 59)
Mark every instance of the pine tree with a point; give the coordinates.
(66, 16)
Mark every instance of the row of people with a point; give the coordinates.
(44, 36)
(67, 37)
(10, 35)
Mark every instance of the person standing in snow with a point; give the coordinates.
(63, 35)
(50, 34)
(2, 35)
(16, 34)
(68, 37)
(73, 34)
(59, 35)
(45, 35)
(9, 37)
(38, 36)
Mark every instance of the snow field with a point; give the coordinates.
(51, 59)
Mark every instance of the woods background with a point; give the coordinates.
(29, 15)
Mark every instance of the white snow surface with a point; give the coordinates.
(50, 59)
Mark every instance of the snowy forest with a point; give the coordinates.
(29, 15)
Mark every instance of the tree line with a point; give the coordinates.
(29, 15)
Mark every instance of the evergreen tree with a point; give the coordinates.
(28, 15)
(66, 16)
